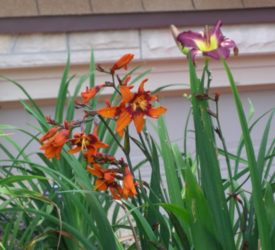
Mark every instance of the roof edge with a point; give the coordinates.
(123, 21)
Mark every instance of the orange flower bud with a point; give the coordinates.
(122, 62)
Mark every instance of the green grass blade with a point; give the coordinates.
(92, 70)
(62, 93)
(257, 194)
(13, 179)
(71, 102)
(209, 164)
(263, 145)
(170, 168)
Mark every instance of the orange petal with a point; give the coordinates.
(156, 112)
(126, 80)
(74, 150)
(129, 188)
(116, 192)
(49, 152)
(139, 122)
(141, 86)
(123, 121)
(120, 133)
(122, 62)
(100, 144)
(100, 185)
(51, 132)
(91, 150)
(96, 170)
(108, 112)
(88, 94)
(109, 177)
(127, 95)
(59, 140)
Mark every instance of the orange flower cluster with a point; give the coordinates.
(53, 142)
(133, 107)
(111, 178)
(111, 174)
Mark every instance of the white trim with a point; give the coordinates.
(43, 83)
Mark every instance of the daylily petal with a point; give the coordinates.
(100, 144)
(141, 86)
(156, 112)
(195, 53)
(123, 121)
(100, 185)
(228, 43)
(51, 132)
(189, 38)
(139, 122)
(218, 53)
(127, 95)
(217, 31)
(109, 112)
(96, 170)
(74, 150)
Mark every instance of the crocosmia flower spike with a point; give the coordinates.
(210, 42)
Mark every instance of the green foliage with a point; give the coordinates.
(52, 204)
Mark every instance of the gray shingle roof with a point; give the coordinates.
(17, 8)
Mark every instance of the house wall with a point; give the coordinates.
(37, 60)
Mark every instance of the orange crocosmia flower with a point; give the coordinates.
(126, 80)
(122, 62)
(86, 142)
(133, 107)
(105, 177)
(97, 157)
(129, 188)
(53, 142)
(51, 132)
(91, 92)
(116, 191)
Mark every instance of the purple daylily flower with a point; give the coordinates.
(210, 43)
